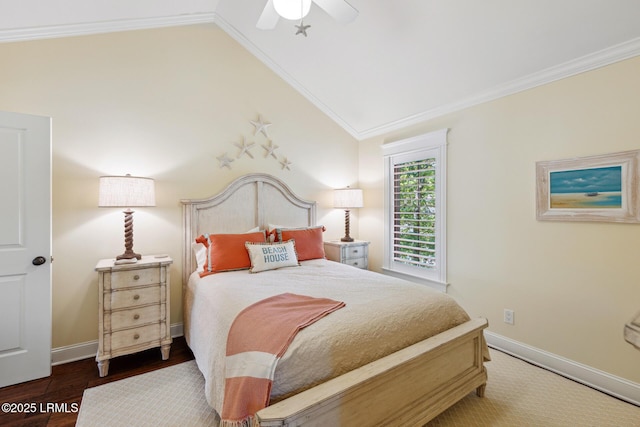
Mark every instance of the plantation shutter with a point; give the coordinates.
(415, 182)
(414, 213)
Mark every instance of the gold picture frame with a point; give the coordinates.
(600, 188)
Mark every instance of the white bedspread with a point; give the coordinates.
(382, 315)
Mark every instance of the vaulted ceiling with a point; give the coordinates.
(400, 62)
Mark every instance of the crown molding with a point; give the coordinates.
(580, 65)
(57, 31)
(583, 64)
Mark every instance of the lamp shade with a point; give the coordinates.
(292, 9)
(126, 191)
(348, 198)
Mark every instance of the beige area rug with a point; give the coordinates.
(517, 394)
(172, 396)
(520, 394)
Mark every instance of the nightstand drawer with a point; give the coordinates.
(140, 277)
(135, 316)
(356, 262)
(354, 252)
(135, 336)
(134, 297)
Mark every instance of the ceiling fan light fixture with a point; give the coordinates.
(292, 9)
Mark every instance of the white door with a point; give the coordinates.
(25, 247)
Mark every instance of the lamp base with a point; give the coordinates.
(129, 255)
(128, 237)
(347, 237)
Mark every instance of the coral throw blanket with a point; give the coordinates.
(258, 337)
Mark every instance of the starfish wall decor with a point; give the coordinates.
(285, 164)
(260, 126)
(244, 147)
(224, 161)
(270, 149)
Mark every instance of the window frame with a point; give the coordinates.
(429, 145)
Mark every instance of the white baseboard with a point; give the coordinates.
(88, 349)
(599, 380)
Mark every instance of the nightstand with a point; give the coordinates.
(133, 308)
(354, 253)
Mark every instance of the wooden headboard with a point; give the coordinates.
(253, 200)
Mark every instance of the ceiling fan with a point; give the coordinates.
(293, 10)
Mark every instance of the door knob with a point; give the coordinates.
(39, 260)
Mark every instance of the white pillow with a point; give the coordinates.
(200, 252)
(269, 256)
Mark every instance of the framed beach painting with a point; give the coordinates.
(596, 188)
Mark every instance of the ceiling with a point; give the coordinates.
(399, 63)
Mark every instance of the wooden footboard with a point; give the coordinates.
(406, 388)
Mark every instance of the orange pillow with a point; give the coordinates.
(227, 252)
(309, 243)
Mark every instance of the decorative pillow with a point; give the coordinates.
(200, 252)
(226, 252)
(309, 243)
(269, 256)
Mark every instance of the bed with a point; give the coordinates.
(393, 372)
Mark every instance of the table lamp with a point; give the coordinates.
(127, 192)
(347, 199)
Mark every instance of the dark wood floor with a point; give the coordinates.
(67, 383)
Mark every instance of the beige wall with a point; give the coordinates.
(572, 285)
(164, 104)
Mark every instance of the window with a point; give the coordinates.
(415, 181)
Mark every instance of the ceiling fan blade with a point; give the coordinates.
(340, 10)
(269, 18)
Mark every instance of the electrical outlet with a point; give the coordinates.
(508, 316)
